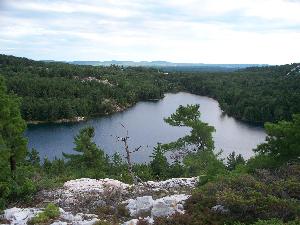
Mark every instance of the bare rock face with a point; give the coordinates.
(21, 216)
(165, 206)
(140, 205)
(79, 200)
(169, 205)
(85, 195)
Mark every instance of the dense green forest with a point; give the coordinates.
(256, 94)
(51, 91)
(263, 190)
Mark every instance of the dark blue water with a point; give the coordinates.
(146, 127)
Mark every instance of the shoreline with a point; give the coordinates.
(117, 109)
(78, 119)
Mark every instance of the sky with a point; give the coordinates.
(194, 31)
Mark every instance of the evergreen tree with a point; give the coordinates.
(200, 137)
(283, 140)
(13, 145)
(91, 161)
(159, 163)
(234, 160)
(195, 149)
(33, 158)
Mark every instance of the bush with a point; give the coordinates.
(50, 212)
(272, 222)
(205, 164)
(40, 218)
(261, 162)
(260, 198)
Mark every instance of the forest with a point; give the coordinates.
(51, 91)
(256, 95)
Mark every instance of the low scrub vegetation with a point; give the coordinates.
(50, 212)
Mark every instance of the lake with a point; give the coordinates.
(146, 127)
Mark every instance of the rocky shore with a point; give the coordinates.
(71, 120)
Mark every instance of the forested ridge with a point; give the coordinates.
(51, 90)
(256, 94)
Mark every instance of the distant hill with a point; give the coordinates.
(169, 66)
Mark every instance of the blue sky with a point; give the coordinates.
(207, 31)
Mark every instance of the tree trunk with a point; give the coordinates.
(13, 164)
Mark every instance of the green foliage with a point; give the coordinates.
(272, 222)
(184, 116)
(33, 158)
(92, 162)
(200, 137)
(234, 160)
(205, 164)
(40, 218)
(196, 149)
(50, 212)
(283, 140)
(143, 171)
(159, 163)
(246, 199)
(13, 149)
(256, 95)
(12, 127)
(261, 161)
(53, 91)
(177, 169)
(102, 223)
(258, 192)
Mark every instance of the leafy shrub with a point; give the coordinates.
(177, 219)
(283, 142)
(234, 160)
(102, 222)
(50, 212)
(272, 222)
(261, 198)
(142, 222)
(40, 218)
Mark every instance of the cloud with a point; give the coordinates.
(211, 31)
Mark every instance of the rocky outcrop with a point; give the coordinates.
(19, 216)
(165, 206)
(79, 200)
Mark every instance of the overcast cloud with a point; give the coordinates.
(208, 31)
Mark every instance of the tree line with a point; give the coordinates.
(258, 95)
(51, 90)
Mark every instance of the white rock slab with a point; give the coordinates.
(19, 216)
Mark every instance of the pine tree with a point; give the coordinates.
(91, 161)
(234, 160)
(159, 163)
(13, 145)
